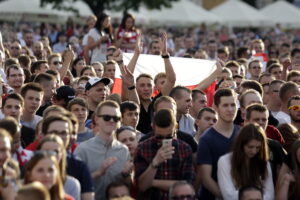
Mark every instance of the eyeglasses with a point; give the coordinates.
(184, 197)
(161, 137)
(294, 108)
(107, 118)
(57, 62)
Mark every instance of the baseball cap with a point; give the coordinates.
(95, 80)
(65, 92)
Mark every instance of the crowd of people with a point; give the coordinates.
(65, 135)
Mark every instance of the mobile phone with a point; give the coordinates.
(167, 142)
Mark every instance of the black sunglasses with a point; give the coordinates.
(57, 62)
(160, 137)
(107, 118)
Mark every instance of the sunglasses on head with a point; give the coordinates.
(294, 108)
(57, 62)
(107, 118)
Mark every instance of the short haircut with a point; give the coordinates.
(30, 86)
(251, 62)
(37, 65)
(16, 67)
(238, 76)
(206, 109)
(14, 96)
(87, 68)
(241, 51)
(53, 108)
(77, 101)
(115, 184)
(54, 55)
(43, 77)
(223, 50)
(24, 60)
(164, 118)
(274, 65)
(10, 124)
(255, 107)
(285, 89)
(295, 97)
(294, 52)
(223, 93)
(292, 74)
(195, 92)
(267, 74)
(252, 84)
(244, 94)
(163, 99)
(128, 105)
(176, 92)
(108, 103)
(52, 72)
(177, 184)
(244, 189)
(232, 63)
(49, 120)
(272, 61)
(274, 82)
(144, 75)
(159, 75)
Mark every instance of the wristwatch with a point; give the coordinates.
(165, 56)
(131, 87)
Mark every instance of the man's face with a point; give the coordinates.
(199, 102)
(117, 192)
(227, 109)
(131, 118)
(223, 56)
(49, 89)
(207, 120)
(255, 69)
(43, 68)
(13, 108)
(55, 63)
(110, 71)
(99, 70)
(258, 47)
(295, 79)
(108, 127)
(97, 93)
(16, 78)
(38, 48)
(5, 149)
(295, 59)
(189, 43)
(183, 192)
(295, 111)
(155, 49)
(276, 72)
(274, 92)
(15, 49)
(235, 70)
(184, 103)
(28, 38)
(260, 118)
(32, 101)
(252, 195)
(81, 112)
(252, 98)
(144, 87)
(160, 83)
(61, 129)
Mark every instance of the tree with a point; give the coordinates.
(98, 6)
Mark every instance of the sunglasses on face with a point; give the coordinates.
(161, 137)
(107, 118)
(57, 62)
(294, 108)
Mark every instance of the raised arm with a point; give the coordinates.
(67, 60)
(137, 51)
(171, 76)
(210, 79)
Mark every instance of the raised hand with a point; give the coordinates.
(139, 44)
(163, 43)
(127, 76)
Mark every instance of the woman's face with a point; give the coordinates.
(129, 23)
(79, 65)
(252, 148)
(55, 147)
(88, 72)
(106, 22)
(45, 172)
(128, 138)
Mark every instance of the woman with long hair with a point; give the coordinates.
(288, 183)
(54, 143)
(246, 165)
(100, 38)
(77, 65)
(43, 167)
(127, 34)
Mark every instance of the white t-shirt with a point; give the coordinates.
(282, 117)
(99, 52)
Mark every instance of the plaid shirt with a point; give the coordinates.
(180, 167)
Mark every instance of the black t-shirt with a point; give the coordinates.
(27, 136)
(144, 124)
(90, 114)
(276, 155)
(40, 111)
(187, 138)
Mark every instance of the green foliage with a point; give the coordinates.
(119, 5)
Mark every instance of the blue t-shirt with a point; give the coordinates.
(212, 145)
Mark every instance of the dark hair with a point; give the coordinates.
(176, 92)
(252, 84)
(241, 51)
(290, 134)
(294, 52)
(244, 189)
(73, 71)
(14, 96)
(285, 89)
(255, 107)
(37, 65)
(144, 75)
(124, 19)
(108, 103)
(10, 124)
(52, 72)
(124, 128)
(24, 60)
(115, 184)
(274, 65)
(43, 77)
(244, 94)
(254, 172)
(223, 93)
(195, 92)
(206, 109)
(271, 61)
(31, 86)
(100, 18)
(14, 66)
(50, 119)
(128, 105)
(292, 74)
(77, 101)
(164, 118)
(163, 99)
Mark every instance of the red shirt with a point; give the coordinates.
(273, 133)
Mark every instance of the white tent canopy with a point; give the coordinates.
(284, 13)
(239, 14)
(30, 10)
(183, 12)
